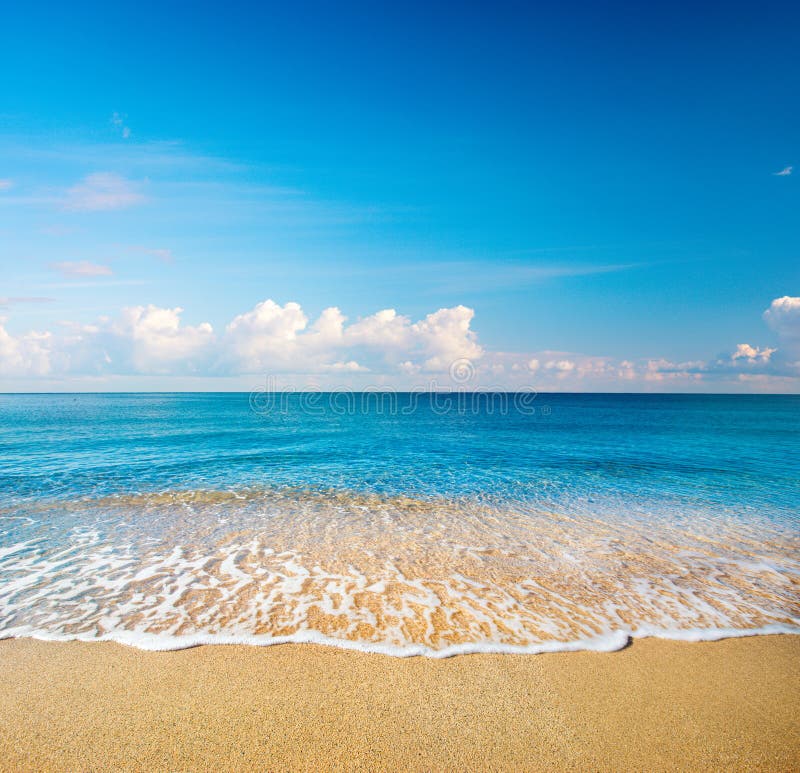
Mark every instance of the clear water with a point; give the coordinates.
(399, 523)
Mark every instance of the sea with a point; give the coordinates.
(399, 523)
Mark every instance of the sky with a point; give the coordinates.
(549, 196)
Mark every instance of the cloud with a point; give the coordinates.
(384, 328)
(271, 335)
(81, 268)
(562, 366)
(158, 340)
(102, 191)
(783, 316)
(785, 172)
(140, 340)
(432, 344)
(266, 335)
(752, 354)
(269, 338)
(349, 367)
(28, 354)
(6, 184)
(660, 370)
(445, 336)
(384, 349)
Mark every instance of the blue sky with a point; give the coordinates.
(593, 185)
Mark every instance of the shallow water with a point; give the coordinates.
(401, 524)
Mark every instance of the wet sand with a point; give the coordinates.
(655, 705)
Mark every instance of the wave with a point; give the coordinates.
(391, 575)
(610, 642)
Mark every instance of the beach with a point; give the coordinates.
(188, 584)
(655, 705)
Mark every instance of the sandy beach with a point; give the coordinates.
(655, 705)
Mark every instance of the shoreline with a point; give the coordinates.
(612, 641)
(655, 704)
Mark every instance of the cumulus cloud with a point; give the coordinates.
(158, 340)
(384, 328)
(28, 354)
(562, 366)
(141, 339)
(385, 348)
(265, 336)
(783, 316)
(752, 354)
(102, 191)
(81, 268)
(268, 338)
(271, 335)
(445, 336)
(785, 172)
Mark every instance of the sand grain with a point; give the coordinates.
(656, 705)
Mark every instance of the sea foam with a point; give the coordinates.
(390, 575)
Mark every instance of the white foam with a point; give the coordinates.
(392, 581)
(610, 642)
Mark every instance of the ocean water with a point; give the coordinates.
(402, 524)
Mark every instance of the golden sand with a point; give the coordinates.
(655, 705)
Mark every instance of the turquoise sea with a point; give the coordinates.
(399, 523)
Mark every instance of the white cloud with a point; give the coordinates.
(351, 366)
(384, 328)
(437, 340)
(158, 339)
(785, 172)
(28, 354)
(328, 330)
(563, 366)
(141, 339)
(752, 354)
(383, 349)
(408, 368)
(783, 316)
(445, 336)
(265, 336)
(661, 369)
(269, 338)
(272, 336)
(102, 191)
(81, 268)
(626, 370)
(6, 184)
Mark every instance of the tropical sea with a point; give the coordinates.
(399, 523)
